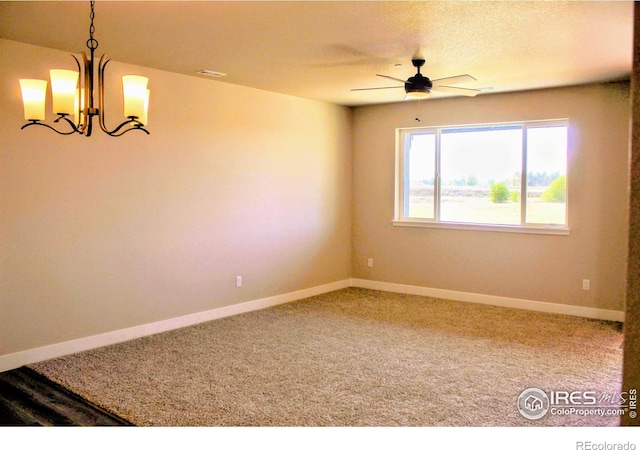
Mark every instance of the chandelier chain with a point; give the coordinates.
(92, 44)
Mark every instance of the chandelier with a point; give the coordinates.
(73, 96)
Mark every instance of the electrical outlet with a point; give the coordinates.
(238, 281)
(370, 262)
(586, 284)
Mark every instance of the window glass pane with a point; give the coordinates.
(547, 175)
(480, 175)
(420, 160)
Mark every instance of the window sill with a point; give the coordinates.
(549, 229)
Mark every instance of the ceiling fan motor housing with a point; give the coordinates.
(418, 83)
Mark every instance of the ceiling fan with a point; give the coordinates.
(419, 86)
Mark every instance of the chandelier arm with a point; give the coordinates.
(101, 67)
(70, 122)
(137, 125)
(37, 122)
(88, 110)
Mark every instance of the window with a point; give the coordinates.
(499, 176)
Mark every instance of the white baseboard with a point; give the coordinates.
(530, 305)
(15, 360)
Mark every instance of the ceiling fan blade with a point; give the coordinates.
(370, 89)
(454, 80)
(457, 90)
(392, 78)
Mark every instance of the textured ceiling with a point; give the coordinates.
(321, 50)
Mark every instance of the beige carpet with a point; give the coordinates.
(353, 357)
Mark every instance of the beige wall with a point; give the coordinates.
(546, 268)
(99, 234)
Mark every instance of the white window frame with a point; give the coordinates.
(523, 227)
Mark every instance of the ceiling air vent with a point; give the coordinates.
(211, 73)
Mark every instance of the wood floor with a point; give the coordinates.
(29, 399)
